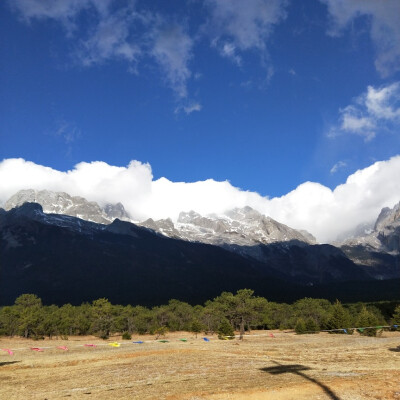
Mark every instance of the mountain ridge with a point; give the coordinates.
(66, 259)
(243, 231)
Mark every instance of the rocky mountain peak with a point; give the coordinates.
(379, 249)
(242, 214)
(237, 227)
(387, 217)
(116, 211)
(63, 203)
(164, 226)
(188, 217)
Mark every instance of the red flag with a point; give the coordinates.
(62, 347)
(36, 349)
(9, 351)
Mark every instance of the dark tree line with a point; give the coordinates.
(225, 314)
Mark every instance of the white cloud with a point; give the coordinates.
(111, 39)
(61, 9)
(107, 28)
(64, 11)
(382, 102)
(312, 206)
(172, 48)
(228, 50)
(67, 131)
(383, 18)
(118, 31)
(189, 108)
(337, 166)
(236, 25)
(376, 110)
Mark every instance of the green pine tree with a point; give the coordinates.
(396, 317)
(225, 330)
(29, 310)
(300, 327)
(196, 327)
(311, 325)
(102, 318)
(340, 318)
(365, 319)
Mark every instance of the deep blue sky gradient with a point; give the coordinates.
(264, 135)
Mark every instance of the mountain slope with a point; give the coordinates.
(379, 250)
(240, 226)
(64, 259)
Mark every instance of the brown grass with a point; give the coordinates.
(288, 366)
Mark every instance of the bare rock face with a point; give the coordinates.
(163, 226)
(63, 203)
(388, 217)
(385, 235)
(387, 228)
(240, 227)
(379, 249)
(114, 211)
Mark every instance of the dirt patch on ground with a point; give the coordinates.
(288, 366)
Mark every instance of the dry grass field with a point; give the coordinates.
(288, 366)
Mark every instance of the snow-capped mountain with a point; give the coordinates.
(74, 206)
(385, 234)
(69, 259)
(244, 231)
(380, 247)
(240, 227)
(66, 259)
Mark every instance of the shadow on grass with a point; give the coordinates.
(2, 364)
(397, 349)
(298, 369)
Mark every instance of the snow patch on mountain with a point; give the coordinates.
(240, 226)
(74, 206)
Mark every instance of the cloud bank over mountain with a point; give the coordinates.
(312, 206)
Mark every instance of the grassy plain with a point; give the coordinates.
(287, 366)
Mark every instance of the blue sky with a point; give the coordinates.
(267, 94)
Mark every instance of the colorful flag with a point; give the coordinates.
(9, 351)
(62, 347)
(114, 344)
(90, 345)
(36, 349)
(138, 342)
(206, 339)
